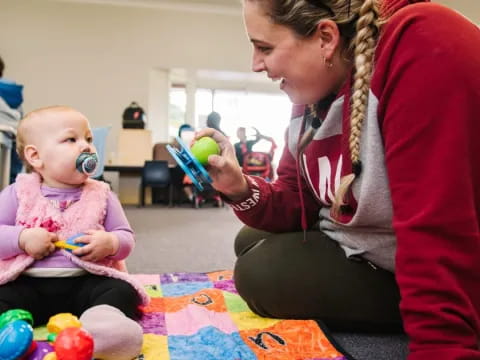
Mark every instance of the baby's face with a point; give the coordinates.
(60, 137)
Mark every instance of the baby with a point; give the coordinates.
(54, 201)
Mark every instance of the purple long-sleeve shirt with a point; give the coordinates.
(115, 222)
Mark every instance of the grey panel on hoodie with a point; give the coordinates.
(370, 232)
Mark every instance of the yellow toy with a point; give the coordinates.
(62, 244)
(62, 321)
(69, 244)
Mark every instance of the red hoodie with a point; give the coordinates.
(416, 205)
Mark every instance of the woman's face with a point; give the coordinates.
(297, 63)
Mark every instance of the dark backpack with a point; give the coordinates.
(133, 117)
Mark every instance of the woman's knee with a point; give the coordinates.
(252, 288)
(246, 238)
(258, 281)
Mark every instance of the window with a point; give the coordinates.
(203, 106)
(177, 109)
(269, 113)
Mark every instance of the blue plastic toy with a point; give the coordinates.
(69, 244)
(15, 337)
(190, 165)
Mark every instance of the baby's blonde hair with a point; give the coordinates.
(24, 128)
(359, 23)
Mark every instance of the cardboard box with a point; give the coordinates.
(134, 147)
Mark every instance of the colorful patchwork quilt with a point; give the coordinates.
(200, 316)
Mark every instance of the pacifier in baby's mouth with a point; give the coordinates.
(87, 163)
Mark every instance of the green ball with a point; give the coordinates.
(15, 314)
(203, 148)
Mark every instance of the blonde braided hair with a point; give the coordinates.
(368, 25)
(359, 24)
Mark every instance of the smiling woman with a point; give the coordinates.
(357, 170)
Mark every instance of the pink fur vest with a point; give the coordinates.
(34, 210)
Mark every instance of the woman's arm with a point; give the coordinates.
(273, 207)
(276, 206)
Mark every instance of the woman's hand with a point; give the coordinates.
(224, 169)
(99, 245)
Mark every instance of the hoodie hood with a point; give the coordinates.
(11, 92)
(389, 7)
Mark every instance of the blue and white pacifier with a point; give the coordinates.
(190, 165)
(87, 163)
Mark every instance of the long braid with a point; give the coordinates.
(365, 42)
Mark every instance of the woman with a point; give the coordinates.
(382, 158)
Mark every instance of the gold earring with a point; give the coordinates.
(327, 62)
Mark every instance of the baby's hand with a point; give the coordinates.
(99, 244)
(37, 242)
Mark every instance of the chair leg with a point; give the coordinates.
(142, 195)
(170, 195)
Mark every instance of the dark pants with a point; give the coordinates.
(45, 297)
(281, 276)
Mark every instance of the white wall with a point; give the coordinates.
(98, 58)
(469, 8)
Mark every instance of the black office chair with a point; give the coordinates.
(156, 174)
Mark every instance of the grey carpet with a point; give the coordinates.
(182, 239)
(200, 240)
(373, 346)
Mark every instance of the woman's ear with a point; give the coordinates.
(328, 35)
(32, 156)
